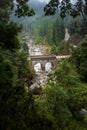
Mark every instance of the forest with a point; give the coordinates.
(62, 104)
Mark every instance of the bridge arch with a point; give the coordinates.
(37, 67)
(48, 67)
(43, 60)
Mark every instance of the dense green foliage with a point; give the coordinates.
(63, 48)
(48, 30)
(77, 26)
(80, 59)
(66, 98)
(61, 104)
(15, 74)
(8, 36)
(73, 8)
(57, 32)
(52, 31)
(59, 108)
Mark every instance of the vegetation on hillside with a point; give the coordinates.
(62, 104)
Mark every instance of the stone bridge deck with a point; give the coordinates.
(43, 57)
(48, 57)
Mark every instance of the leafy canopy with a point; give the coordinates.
(77, 8)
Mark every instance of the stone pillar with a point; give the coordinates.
(43, 65)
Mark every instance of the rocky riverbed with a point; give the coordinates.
(41, 76)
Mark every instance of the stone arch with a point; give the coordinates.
(48, 67)
(43, 60)
(37, 67)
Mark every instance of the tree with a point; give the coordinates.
(9, 30)
(80, 59)
(8, 36)
(8, 75)
(66, 97)
(79, 7)
(66, 73)
(21, 9)
(57, 109)
(15, 101)
(78, 100)
(58, 31)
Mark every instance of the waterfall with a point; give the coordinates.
(67, 36)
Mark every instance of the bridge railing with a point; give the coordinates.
(63, 56)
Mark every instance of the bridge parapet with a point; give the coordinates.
(63, 56)
(43, 57)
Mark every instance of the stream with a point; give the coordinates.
(34, 50)
(41, 76)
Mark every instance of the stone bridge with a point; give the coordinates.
(43, 59)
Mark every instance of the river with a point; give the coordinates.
(41, 76)
(34, 50)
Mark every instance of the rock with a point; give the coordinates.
(83, 111)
